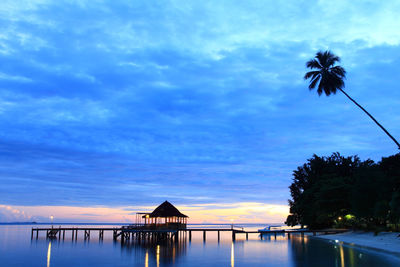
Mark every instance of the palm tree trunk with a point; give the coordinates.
(394, 140)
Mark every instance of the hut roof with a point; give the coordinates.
(166, 209)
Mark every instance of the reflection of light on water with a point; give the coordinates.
(232, 256)
(173, 254)
(158, 255)
(342, 256)
(351, 256)
(146, 259)
(48, 254)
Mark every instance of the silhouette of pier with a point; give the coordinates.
(138, 233)
(165, 223)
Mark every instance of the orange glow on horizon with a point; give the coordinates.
(242, 212)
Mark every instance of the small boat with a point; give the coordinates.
(268, 229)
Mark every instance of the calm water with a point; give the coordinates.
(17, 249)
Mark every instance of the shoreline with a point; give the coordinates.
(384, 241)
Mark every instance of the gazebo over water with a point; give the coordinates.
(165, 215)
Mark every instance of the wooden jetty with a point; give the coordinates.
(166, 222)
(124, 233)
(127, 233)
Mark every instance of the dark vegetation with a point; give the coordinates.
(344, 191)
(339, 191)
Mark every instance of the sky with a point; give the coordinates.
(112, 107)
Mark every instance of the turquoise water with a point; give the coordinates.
(17, 249)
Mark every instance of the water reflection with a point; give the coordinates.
(342, 256)
(279, 252)
(313, 252)
(156, 253)
(232, 255)
(48, 254)
(295, 252)
(271, 237)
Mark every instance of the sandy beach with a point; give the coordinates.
(387, 241)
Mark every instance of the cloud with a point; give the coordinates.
(133, 103)
(10, 214)
(8, 77)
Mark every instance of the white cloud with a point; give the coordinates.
(16, 78)
(53, 110)
(213, 28)
(10, 214)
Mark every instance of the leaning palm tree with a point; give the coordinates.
(328, 78)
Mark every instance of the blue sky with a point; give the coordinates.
(124, 104)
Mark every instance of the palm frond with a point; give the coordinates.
(327, 59)
(313, 64)
(328, 91)
(329, 78)
(312, 74)
(321, 85)
(314, 82)
(339, 71)
(331, 59)
(321, 57)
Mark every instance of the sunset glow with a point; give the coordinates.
(207, 213)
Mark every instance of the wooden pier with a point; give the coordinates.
(131, 233)
(123, 233)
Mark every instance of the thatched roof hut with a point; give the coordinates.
(165, 210)
(166, 213)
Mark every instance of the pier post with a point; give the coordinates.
(302, 234)
(190, 235)
(59, 234)
(101, 234)
(247, 236)
(37, 233)
(32, 234)
(275, 235)
(233, 235)
(204, 236)
(218, 236)
(76, 234)
(288, 235)
(63, 234)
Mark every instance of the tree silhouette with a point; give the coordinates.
(364, 194)
(328, 78)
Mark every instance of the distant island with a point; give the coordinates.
(17, 223)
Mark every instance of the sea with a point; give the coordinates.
(17, 248)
